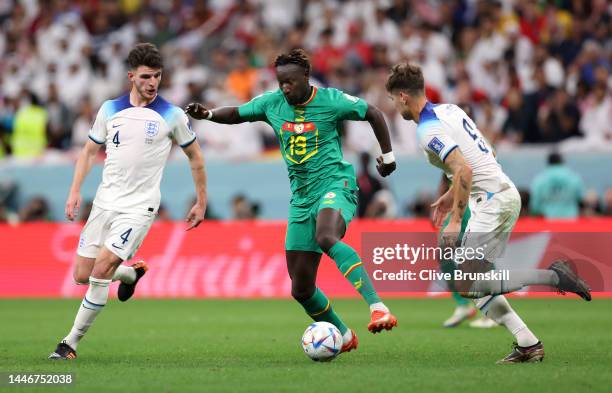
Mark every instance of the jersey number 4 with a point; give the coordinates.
(125, 236)
(481, 143)
(116, 139)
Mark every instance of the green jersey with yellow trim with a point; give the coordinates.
(309, 139)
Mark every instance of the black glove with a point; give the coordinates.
(385, 169)
(197, 111)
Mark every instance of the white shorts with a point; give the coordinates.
(493, 216)
(121, 233)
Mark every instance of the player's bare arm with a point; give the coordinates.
(437, 215)
(198, 172)
(83, 166)
(386, 162)
(223, 115)
(456, 198)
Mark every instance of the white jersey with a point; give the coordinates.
(138, 141)
(445, 127)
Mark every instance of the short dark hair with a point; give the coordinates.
(295, 56)
(406, 77)
(144, 54)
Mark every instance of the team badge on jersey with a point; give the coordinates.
(436, 145)
(299, 128)
(151, 128)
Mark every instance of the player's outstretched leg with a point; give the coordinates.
(94, 301)
(330, 229)
(351, 267)
(559, 275)
(302, 267)
(129, 277)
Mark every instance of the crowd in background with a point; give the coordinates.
(527, 71)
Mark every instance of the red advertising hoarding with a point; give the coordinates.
(218, 259)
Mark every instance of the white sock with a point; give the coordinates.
(92, 304)
(380, 306)
(125, 274)
(498, 309)
(347, 336)
(518, 279)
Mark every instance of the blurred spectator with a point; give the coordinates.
(7, 120)
(163, 214)
(590, 205)
(525, 202)
(242, 79)
(82, 124)
(368, 184)
(243, 209)
(382, 205)
(558, 118)
(59, 122)
(420, 207)
(607, 202)
(37, 209)
(29, 137)
(541, 69)
(557, 191)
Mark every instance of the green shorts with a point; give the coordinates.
(302, 223)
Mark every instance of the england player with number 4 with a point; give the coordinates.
(453, 143)
(137, 130)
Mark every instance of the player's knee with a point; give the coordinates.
(302, 294)
(104, 267)
(80, 278)
(326, 240)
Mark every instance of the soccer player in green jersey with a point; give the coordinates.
(306, 119)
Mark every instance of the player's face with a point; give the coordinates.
(402, 104)
(293, 81)
(146, 81)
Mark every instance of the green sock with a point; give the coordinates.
(319, 308)
(351, 267)
(449, 267)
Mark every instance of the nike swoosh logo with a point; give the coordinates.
(117, 125)
(120, 248)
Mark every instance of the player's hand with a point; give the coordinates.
(196, 215)
(73, 204)
(441, 208)
(450, 234)
(196, 110)
(385, 169)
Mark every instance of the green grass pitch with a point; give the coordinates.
(254, 346)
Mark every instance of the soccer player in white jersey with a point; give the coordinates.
(137, 130)
(453, 143)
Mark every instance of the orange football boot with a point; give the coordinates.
(349, 346)
(381, 320)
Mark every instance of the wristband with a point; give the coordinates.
(210, 115)
(388, 158)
